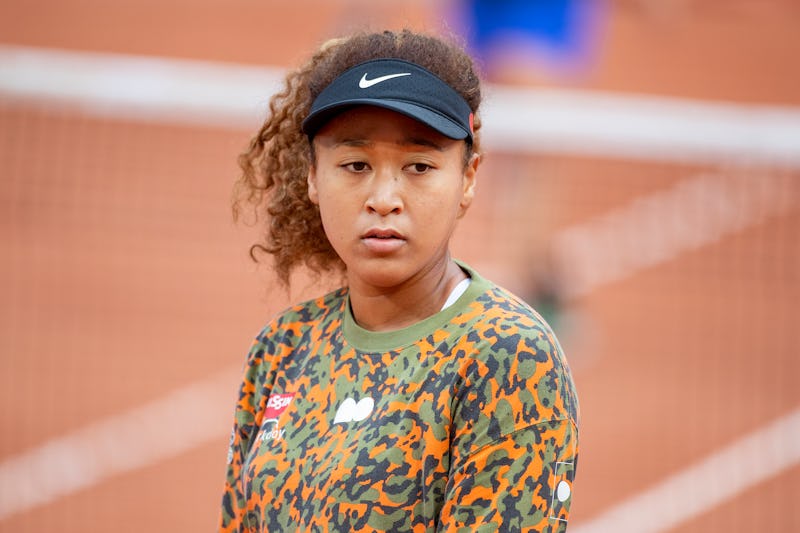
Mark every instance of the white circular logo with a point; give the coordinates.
(563, 491)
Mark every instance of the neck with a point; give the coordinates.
(407, 304)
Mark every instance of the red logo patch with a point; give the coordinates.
(277, 404)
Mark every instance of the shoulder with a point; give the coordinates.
(499, 317)
(496, 324)
(513, 358)
(494, 306)
(503, 303)
(311, 313)
(294, 325)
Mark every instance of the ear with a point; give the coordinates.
(470, 178)
(313, 194)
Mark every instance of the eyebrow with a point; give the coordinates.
(415, 141)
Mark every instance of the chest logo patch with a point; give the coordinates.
(270, 427)
(277, 404)
(350, 411)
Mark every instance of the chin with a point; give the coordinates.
(380, 274)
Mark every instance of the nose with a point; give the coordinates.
(384, 195)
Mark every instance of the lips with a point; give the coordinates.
(382, 241)
(377, 233)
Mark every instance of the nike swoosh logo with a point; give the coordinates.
(364, 83)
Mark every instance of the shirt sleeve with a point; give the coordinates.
(514, 445)
(521, 482)
(245, 426)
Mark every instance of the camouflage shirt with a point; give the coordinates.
(465, 421)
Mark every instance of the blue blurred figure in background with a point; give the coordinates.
(523, 40)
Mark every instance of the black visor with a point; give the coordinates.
(397, 85)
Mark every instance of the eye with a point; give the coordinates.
(356, 166)
(418, 168)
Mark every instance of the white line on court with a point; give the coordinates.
(538, 120)
(139, 88)
(659, 227)
(640, 127)
(722, 475)
(180, 421)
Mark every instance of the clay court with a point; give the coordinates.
(653, 215)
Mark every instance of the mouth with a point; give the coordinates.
(383, 234)
(382, 242)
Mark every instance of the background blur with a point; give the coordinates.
(641, 188)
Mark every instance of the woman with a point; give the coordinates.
(420, 396)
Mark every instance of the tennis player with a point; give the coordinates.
(419, 396)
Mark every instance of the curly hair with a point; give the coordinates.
(275, 165)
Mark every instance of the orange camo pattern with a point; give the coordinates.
(474, 426)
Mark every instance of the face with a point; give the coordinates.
(390, 191)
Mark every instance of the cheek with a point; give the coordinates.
(334, 217)
(330, 222)
(336, 234)
(443, 201)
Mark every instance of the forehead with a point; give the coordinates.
(370, 123)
